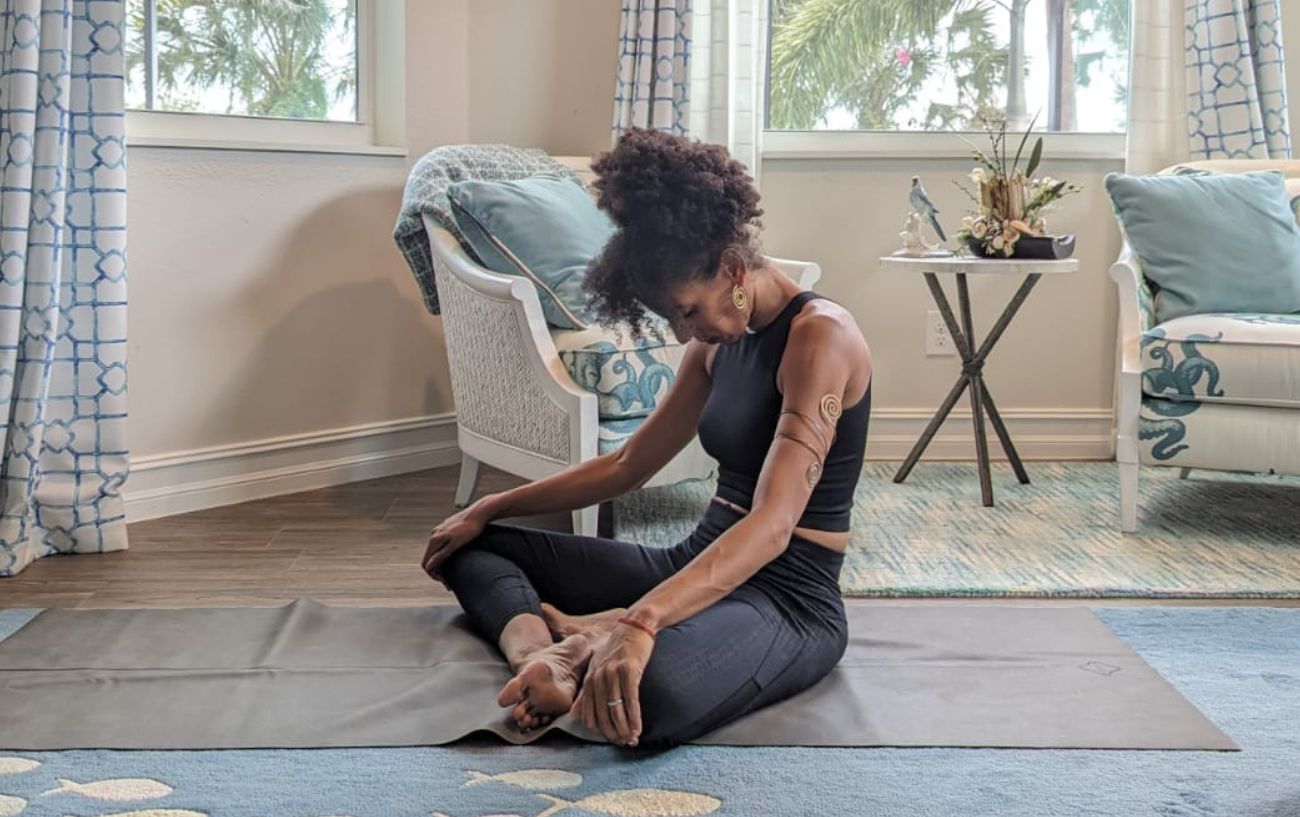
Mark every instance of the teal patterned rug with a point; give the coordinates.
(1211, 535)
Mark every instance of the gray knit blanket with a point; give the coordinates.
(426, 192)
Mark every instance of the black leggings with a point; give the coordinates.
(777, 634)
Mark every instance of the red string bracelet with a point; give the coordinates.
(635, 623)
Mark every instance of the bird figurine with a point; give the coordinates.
(921, 203)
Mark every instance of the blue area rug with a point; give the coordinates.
(1241, 666)
(1214, 535)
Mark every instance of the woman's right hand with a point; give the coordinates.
(450, 535)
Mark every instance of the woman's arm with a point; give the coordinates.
(821, 356)
(664, 433)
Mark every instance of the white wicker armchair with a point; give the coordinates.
(517, 407)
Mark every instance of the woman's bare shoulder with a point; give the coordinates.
(823, 321)
(825, 328)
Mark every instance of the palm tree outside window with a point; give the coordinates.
(293, 59)
(944, 65)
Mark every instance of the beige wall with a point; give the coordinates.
(845, 214)
(542, 73)
(267, 298)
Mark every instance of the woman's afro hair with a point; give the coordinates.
(677, 204)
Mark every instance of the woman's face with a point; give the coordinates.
(704, 310)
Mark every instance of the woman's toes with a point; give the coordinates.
(530, 719)
(513, 691)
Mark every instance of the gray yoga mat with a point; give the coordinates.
(311, 675)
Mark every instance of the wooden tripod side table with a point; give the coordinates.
(973, 357)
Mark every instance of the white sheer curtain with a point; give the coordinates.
(727, 71)
(1157, 101)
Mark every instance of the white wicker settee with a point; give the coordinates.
(519, 407)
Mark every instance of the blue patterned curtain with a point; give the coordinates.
(62, 279)
(1236, 80)
(653, 66)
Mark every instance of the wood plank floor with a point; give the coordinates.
(359, 543)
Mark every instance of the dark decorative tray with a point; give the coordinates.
(1047, 247)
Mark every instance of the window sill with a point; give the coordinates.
(785, 144)
(261, 147)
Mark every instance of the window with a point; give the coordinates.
(295, 59)
(284, 74)
(939, 65)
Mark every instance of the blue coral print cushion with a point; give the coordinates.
(629, 376)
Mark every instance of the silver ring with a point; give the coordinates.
(615, 702)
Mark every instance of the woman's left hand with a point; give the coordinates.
(615, 672)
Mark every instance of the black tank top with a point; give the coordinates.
(739, 420)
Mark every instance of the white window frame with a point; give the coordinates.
(379, 129)
(840, 144)
(912, 144)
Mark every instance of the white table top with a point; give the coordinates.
(979, 266)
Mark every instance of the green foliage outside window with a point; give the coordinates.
(277, 58)
(940, 64)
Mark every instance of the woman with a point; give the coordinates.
(657, 646)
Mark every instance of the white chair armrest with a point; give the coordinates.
(805, 273)
(1134, 308)
(1133, 321)
(510, 384)
(498, 287)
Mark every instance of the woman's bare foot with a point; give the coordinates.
(547, 682)
(595, 626)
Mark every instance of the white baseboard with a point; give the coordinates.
(1037, 434)
(223, 475)
(206, 478)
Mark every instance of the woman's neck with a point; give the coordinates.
(770, 292)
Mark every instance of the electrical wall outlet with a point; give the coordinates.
(937, 339)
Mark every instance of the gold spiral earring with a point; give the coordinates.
(739, 297)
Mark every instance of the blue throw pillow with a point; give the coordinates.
(1212, 243)
(545, 228)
